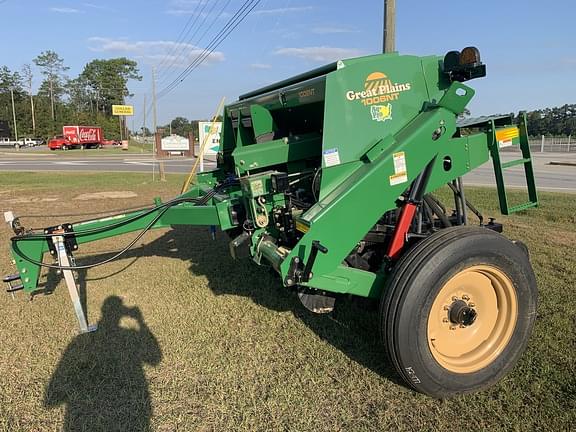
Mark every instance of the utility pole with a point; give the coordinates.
(389, 30)
(52, 98)
(27, 72)
(144, 112)
(154, 125)
(155, 119)
(14, 115)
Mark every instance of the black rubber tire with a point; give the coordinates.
(412, 288)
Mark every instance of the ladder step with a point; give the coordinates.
(515, 162)
(14, 288)
(11, 278)
(521, 207)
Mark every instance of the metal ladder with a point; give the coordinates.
(504, 137)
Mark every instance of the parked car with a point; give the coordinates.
(106, 142)
(28, 142)
(7, 142)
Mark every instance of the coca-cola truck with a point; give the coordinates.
(83, 136)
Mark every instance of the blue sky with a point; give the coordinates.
(529, 47)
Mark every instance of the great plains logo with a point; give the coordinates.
(381, 112)
(378, 88)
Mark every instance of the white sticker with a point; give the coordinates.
(399, 162)
(331, 157)
(506, 143)
(400, 172)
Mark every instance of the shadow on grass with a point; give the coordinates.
(352, 328)
(100, 376)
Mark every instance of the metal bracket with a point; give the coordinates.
(62, 252)
(69, 239)
(297, 273)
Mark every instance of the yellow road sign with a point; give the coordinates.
(125, 110)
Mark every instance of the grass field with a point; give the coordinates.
(201, 342)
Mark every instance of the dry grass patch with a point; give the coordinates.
(202, 342)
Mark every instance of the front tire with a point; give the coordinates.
(458, 310)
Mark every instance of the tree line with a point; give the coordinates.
(60, 100)
(557, 121)
(88, 99)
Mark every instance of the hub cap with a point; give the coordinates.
(472, 319)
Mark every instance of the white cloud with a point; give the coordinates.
(65, 10)
(279, 11)
(260, 66)
(154, 52)
(179, 12)
(319, 54)
(96, 6)
(183, 7)
(184, 3)
(333, 29)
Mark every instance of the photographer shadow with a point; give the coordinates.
(100, 377)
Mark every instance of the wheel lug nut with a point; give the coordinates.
(454, 298)
(465, 297)
(445, 320)
(446, 308)
(452, 327)
(472, 304)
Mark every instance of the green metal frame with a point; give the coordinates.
(372, 124)
(525, 161)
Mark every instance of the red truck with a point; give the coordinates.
(83, 136)
(79, 137)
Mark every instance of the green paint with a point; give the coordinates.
(371, 124)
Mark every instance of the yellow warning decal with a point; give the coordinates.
(505, 136)
(300, 226)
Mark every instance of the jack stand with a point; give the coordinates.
(64, 261)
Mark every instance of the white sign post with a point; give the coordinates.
(213, 140)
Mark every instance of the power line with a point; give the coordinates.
(184, 42)
(180, 37)
(185, 45)
(211, 46)
(220, 37)
(216, 41)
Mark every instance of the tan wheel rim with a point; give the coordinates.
(472, 319)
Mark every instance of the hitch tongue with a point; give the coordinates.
(64, 256)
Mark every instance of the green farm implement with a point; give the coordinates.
(329, 178)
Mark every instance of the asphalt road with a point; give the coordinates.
(123, 163)
(548, 177)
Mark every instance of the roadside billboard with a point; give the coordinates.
(122, 110)
(175, 143)
(213, 143)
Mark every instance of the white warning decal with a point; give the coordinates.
(331, 157)
(400, 171)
